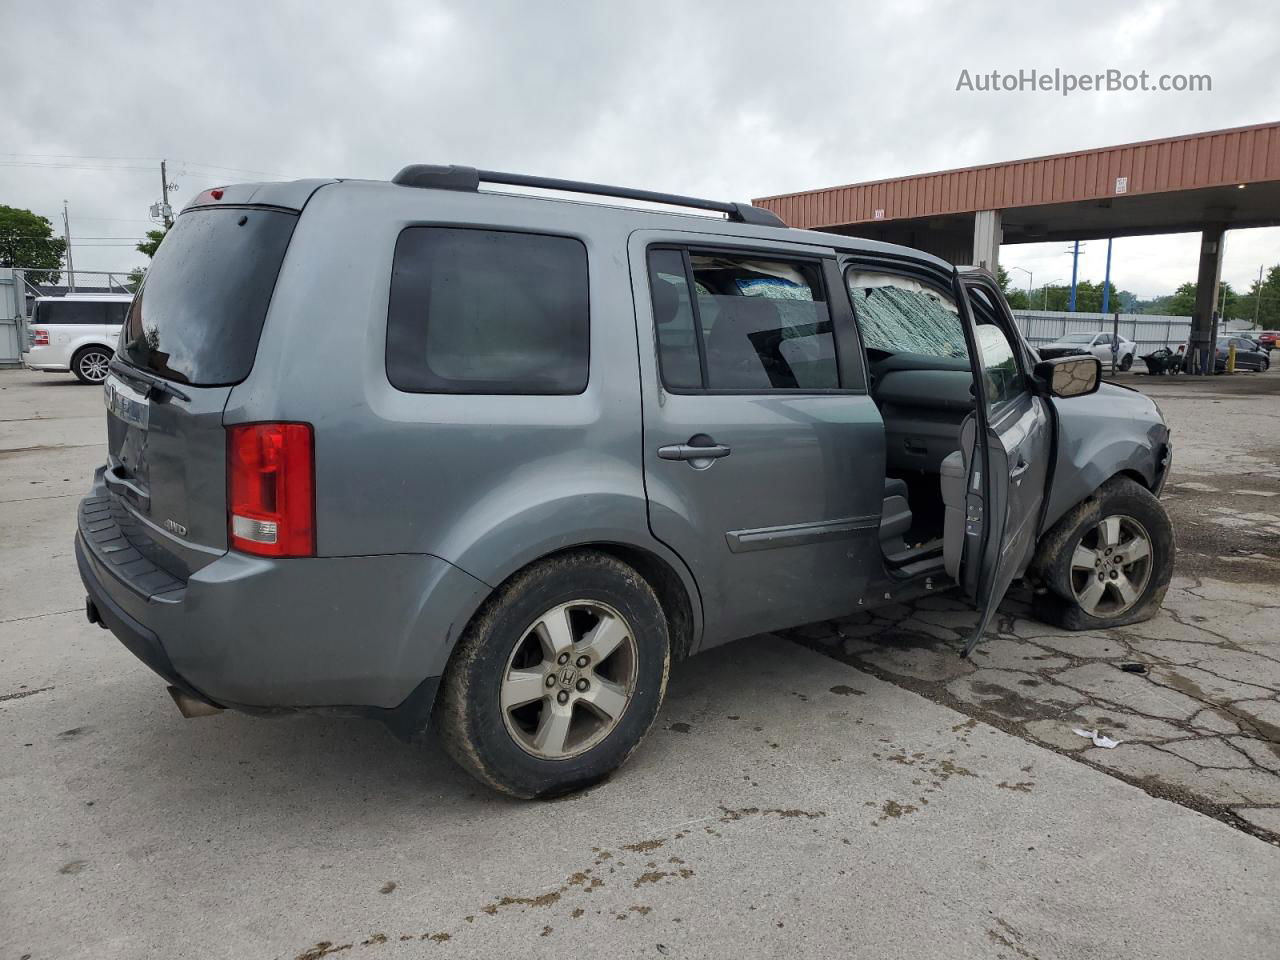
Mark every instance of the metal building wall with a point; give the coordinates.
(1149, 332)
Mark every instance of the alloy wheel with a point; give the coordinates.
(569, 679)
(1110, 566)
(94, 365)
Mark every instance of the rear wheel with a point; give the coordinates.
(558, 678)
(1108, 562)
(90, 364)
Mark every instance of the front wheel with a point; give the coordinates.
(1127, 362)
(1108, 562)
(90, 364)
(558, 678)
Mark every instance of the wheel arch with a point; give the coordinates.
(672, 582)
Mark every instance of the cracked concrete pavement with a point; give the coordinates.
(786, 804)
(1200, 724)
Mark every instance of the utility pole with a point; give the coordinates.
(164, 196)
(1106, 283)
(66, 235)
(1257, 298)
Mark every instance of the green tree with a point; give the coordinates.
(1183, 302)
(27, 240)
(135, 278)
(1262, 301)
(1088, 298)
(150, 245)
(1018, 299)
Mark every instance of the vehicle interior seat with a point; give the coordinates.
(953, 475)
(895, 514)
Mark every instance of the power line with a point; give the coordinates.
(56, 161)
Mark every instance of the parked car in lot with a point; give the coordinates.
(1248, 354)
(75, 333)
(1267, 340)
(489, 462)
(1097, 344)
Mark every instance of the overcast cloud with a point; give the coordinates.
(724, 99)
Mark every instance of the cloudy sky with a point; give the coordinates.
(724, 99)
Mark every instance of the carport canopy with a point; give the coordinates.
(1207, 182)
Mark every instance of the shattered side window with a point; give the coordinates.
(899, 315)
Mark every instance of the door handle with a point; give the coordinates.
(686, 451)
(1019, 470)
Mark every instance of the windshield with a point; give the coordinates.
(199, 313)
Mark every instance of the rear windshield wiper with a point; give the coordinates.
(156, 387)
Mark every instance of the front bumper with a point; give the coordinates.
(352, 634)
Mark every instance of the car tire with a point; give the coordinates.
(90, 364)
(1123, 511)
(1127, 362)
(514, 649)
(1265, 366)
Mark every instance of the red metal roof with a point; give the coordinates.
(1199, 160)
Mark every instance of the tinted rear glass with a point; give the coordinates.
(199, 313)
(488, 311)
(73, 311)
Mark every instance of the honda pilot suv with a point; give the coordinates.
(487, 462)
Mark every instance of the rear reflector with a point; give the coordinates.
(271, 489)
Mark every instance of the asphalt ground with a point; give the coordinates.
(808, 798)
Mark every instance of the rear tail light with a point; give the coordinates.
(271, 489)
(39, 337)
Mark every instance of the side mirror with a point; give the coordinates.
(1069, 376)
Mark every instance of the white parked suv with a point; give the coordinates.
(76, 333)
(1098, 344)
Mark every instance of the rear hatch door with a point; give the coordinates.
(190, 336)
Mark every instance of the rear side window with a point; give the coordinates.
(59, 312)
(729, 322)
(116, 312)
(199, 314)
(488, 311)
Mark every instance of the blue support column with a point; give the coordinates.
(1106, 282)
(1075, 264)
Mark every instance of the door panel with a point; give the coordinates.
(779, 526)
(1015, 432)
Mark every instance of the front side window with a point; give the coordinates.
(1000, 370)
(488, 311)
(900, 315)
(740, 322)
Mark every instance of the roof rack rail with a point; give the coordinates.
(434, 176)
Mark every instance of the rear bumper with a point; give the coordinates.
(33, 360)
(102, 609)
(346, 634)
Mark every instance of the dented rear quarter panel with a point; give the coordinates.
(1116, 430)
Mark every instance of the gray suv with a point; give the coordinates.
(488, 462)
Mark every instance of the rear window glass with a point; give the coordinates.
(488, 311)
(199, 313)
(59, 312)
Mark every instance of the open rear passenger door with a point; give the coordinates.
(1012, 447)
